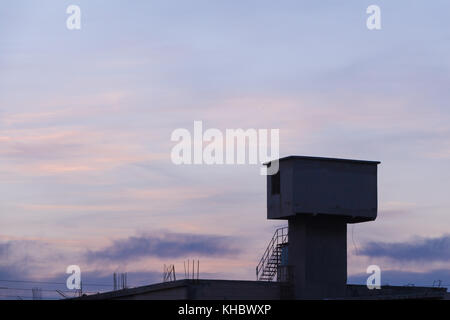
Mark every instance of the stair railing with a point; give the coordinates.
(280, 237)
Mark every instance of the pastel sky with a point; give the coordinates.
(86, 118)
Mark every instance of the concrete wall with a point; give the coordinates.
(361, 292)
(200, 290)
(236, 290)
(318, 256)
(175, 293)
(255, 290)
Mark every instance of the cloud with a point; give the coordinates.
(4, 249)
(30, 258)
(10, 272)
(425, 249)
(20, 251)
(168, 245)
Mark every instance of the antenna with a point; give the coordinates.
(81, 288)
(438, 283)
(61, 293)
(120, 281)
(37, 293)
(188, 274)
(169, 273)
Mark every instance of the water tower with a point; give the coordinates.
(319, 197)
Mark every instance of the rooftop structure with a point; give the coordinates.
(318, 197)
(307, 259)
(254, 290)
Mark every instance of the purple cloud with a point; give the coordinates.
(427, 249)
(168, 245)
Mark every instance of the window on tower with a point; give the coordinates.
(275, 183)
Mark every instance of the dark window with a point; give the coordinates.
(275, 183)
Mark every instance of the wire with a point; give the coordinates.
(45, 290)
(59, 283)
(21, 297)
(353, 240)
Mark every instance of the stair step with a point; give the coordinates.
(270, 262)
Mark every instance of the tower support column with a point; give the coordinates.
(317, 256)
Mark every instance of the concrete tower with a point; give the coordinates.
(319, 197)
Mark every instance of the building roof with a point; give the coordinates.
(325, 159)
(256, 290)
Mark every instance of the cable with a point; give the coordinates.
(45, 290)
(353, 240)
(21, 297)
(59, 283)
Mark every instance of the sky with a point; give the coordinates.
(86, 118)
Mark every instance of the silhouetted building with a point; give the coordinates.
(318, 197)
(307, 259)
(255, 290)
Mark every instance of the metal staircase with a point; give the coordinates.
(268, 266)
